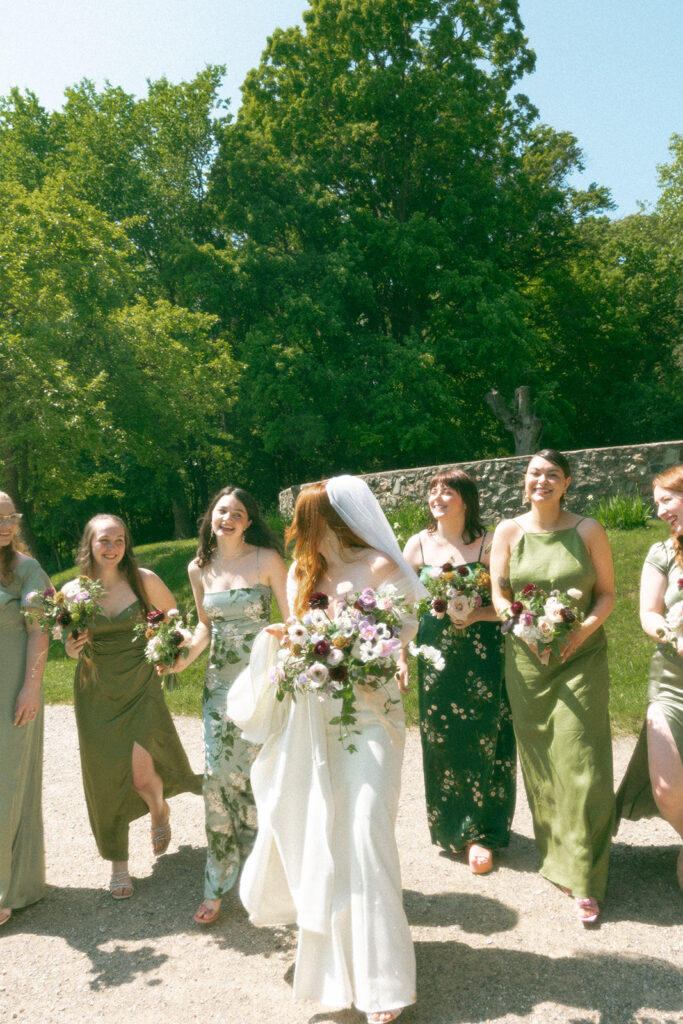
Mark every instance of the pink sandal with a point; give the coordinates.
(587, 909)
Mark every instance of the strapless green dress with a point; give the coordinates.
(561, 717)
(118, 704)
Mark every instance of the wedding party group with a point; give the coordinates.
(303, 721)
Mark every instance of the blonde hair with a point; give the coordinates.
(8, 551)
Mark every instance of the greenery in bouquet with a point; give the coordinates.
(168, 635)
(672, 633)
(455, 592)
(332, 654)
(543, 620)
(65, 612)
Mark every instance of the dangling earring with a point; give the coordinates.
(526, 500)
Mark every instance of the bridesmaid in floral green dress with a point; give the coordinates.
(468, 744)
(235, 571)
(24, 649)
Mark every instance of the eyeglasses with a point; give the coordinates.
(11, 520)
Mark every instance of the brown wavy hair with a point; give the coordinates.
(258, 533)
(672, 479)
(8, 551)
(313, 514)
(128, 564)
(463, 484)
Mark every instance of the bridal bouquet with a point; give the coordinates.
(167, 635)
(65, 612)
(672, 633)
(543, 620)
(455, 592)
(357, 646)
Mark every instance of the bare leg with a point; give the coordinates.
(147, 784)
(666, 774)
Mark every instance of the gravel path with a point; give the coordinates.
(501, 949)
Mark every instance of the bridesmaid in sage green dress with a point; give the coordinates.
(468, 744)
(236, 571)
(24, 650)
(560, 709)
(131, 757)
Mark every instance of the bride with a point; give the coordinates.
(325, 856)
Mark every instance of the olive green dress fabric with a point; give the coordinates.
(561, 718)
(22, 858)
(118, 704)
(665, 689)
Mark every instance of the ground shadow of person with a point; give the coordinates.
(118, 936)
(643, 885)
(481, 915)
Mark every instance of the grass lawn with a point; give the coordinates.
(630, 649)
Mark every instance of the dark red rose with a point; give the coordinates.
(528, 590)
(154, 618)
(568, 615)
(318, 600)
(439, 605)
(447, 567)
(339, 673)
(516, 608)
(323, 648)
(64, 618)
(462, 570)
(177, 638)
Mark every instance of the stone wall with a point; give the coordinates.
(596, 473)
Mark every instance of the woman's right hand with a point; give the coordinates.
(74, 645)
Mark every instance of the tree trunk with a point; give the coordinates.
(523, 423)
(183, 526)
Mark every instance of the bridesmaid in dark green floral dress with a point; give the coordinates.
(468, 745)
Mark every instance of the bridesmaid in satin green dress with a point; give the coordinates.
(24, 650)
(236, 571)
(131, 756)
(560, 709)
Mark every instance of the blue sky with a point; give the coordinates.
(610, 71)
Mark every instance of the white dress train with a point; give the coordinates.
(325, 855)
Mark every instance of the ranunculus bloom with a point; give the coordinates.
(322, 648)
(64, 618)
(345, 587)
(568, 616)
(49, 592)
(339, 673)
(177, 638)
(439, 606)
(680, 582)
(447, 567)
(574, 594)
(463, 571)
(82, 596)
(553, 609)
(528, 590)
(317, 674)
(155, 617)
(516, 608)
(318, 600)
(335, 656)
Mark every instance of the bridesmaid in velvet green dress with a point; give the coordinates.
(560, 709)
(131, 757)
(24, 650)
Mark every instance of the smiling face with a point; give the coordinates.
(229, 518)
(9, 521)
(669, 505)
(544, 482)
(444, 501)
(108, 543)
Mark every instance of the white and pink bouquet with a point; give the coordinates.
(168, 635)
(357, 645)
(543, 621)
(66, 612)
(455, 592)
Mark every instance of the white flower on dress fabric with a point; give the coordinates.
(430, 654)
(335, 657)
(318, 674)
(553, 609)
(344, 588)
(574, 594)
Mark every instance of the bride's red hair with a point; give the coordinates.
(672, 480)
(313, 515)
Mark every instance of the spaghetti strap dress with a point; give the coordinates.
(22, 858)
(561, 717)
(665, 689)
(120, 703)
(468, 744)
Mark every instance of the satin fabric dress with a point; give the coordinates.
(561, 717)
(665, 689)
(236, 617)
(325, 855)
(22, 856)
(119, 703)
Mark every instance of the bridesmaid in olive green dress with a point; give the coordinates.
(24, 649)
(131, 757)
(560, 709)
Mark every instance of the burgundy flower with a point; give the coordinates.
(177, 638)
(439, 605)
(680, 582)
(154, 618)
(50, 592)
(339, 673)
(64, 618)
(462, 570)
(568, 616)
(318, 600)
(516, 608)
(447, 567)
(323, 648)
(528, 590)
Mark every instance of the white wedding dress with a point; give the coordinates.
(325, 856)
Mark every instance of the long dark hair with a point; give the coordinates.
(557, 459)
(464, 485)
(258, 533)
(128, 564)
(9, 551)
(672, 480)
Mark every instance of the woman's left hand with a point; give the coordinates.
(27, 705)
(574, 641)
